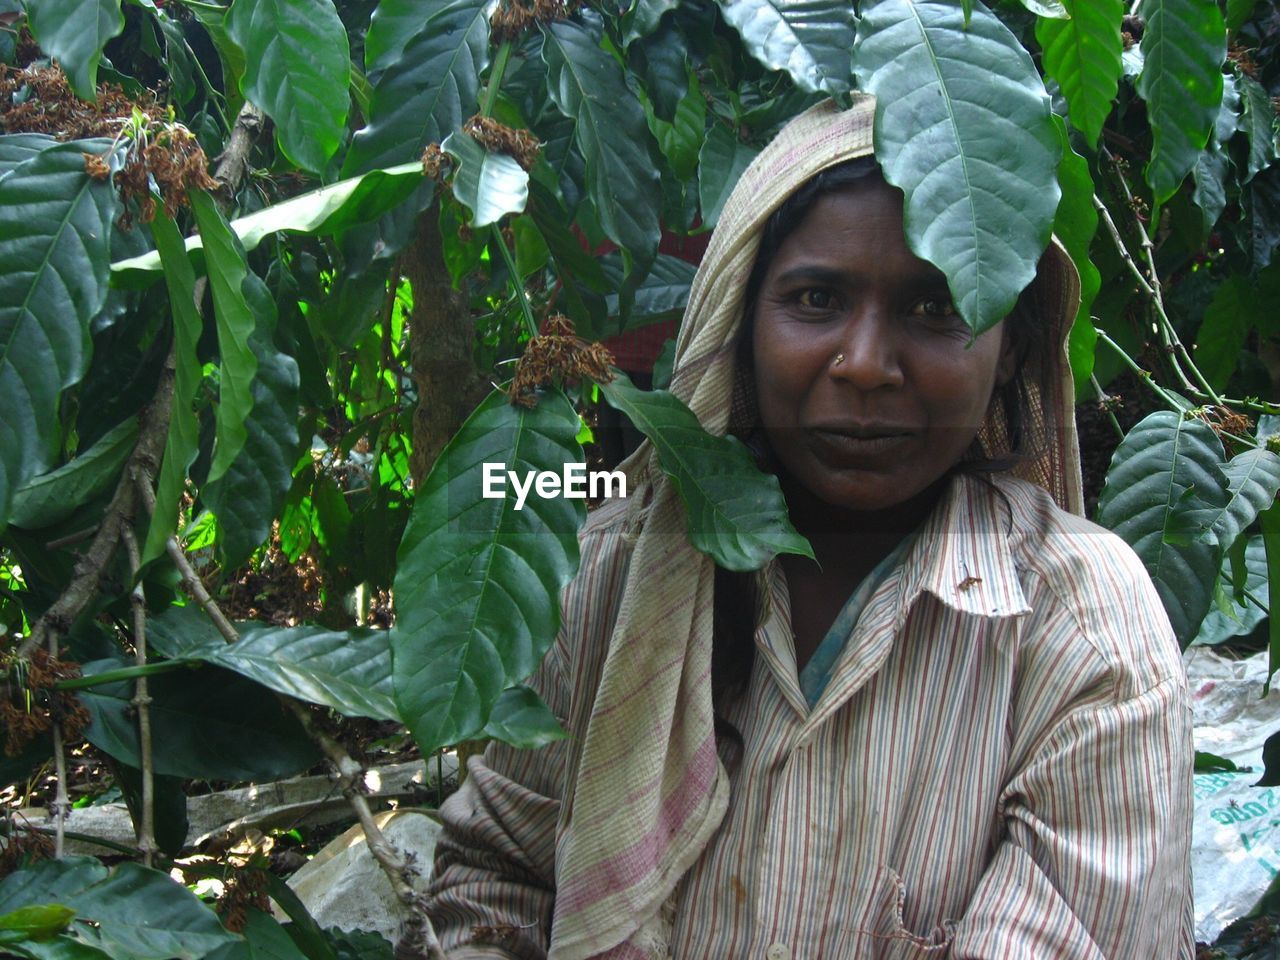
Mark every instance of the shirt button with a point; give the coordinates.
(778, 951)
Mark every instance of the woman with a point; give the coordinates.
(963, 734)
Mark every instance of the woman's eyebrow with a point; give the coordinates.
(927, 279)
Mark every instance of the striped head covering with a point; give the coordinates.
(649, 790)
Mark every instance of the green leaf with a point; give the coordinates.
(586, 84)
(297, 68)
(1210, 193)
(1239, 12)
(348, 670)
(721, 162)
(663, 293)
(1227, 121)
(1212, 763)
(55, 227)
(681, 139)
(737, 515)
(1228, 318)
(663, 61)
(1253, 477)
(963, 128)
(183, 437)
(1263, 207)
(1054, 9)
(393, 24)
(1082, 52)
(1183, 46)
(248, 497)
(490, 184)
(1074, 224)
(169, 802)
(1245, 615)
(809, 39)
(1269, 520)
(644, 17)
(54, 496)
(478, 581)
(428, 91)
(235, 321)
(521, 719)
(16, 148)
(135, 911)
(74, 32)
(1164, 490)
(328, 210)
(38, 921)
(217, 726)
(264, 939)
(1259, 122)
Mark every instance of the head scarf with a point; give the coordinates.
(650, 790)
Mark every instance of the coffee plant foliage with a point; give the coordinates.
(278, 277)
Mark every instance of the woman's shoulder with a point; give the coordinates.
(1075, 570)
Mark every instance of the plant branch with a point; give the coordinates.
(348, 772)
(1105, 402)
(495, 78)
(142, 702)
(517, 286)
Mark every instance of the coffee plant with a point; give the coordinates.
(230, 387)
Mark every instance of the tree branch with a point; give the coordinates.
(142, 701)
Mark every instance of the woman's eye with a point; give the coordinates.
(816, 299)
(935, 308)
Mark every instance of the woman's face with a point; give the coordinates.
(869, 386)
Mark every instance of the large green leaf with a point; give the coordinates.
(663, 294)
(18, 147)
(1227, 320)
(736, 514)
(521, 719)
(55, 228)
(1263, 206)
(216, 726)
(1244, 617)
(248, 497)
(663, 61)
(1074, 225)
(490, 184)
(478, 578)
(328, 210)
(1210, 192)
(428, 91)
(264, 939)
(1083, 54)
(183, 437)
(54, 496)
(721, 162)
(74, 32)
(809, 39)
(297, 68)
(225, 259)
(588, 86)
(1253, 478)
(963, 127)
(348, 670)
(1259, 122)
(1183, 46)
(393, 24)
(130, 911)
(1164, 491)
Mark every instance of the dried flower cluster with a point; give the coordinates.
(521, 145)
(48, 106)
(177, 164)
(435, 163)
(244, 889)
(39, 705)
(558, 354)
(513, 18)
(22, 849)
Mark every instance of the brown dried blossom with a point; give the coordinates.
(514, 18)
(557, 354)
(436, 163)
(39, 705)
(244, 889)
(24, 848)
(1225, 422)
(521, 145)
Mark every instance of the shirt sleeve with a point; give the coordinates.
(494, 881)
(1095, 862)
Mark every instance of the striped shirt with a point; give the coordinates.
(999, 766)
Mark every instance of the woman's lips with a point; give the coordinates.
(859, 443)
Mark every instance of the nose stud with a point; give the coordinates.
(837, 360)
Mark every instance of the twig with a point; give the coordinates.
(1105, 405)
(348, 772)
(142, 701)
(71, 539)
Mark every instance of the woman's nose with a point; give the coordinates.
(868, 357)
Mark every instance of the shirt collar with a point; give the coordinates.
(963, 554)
